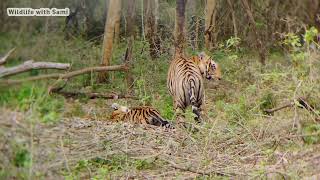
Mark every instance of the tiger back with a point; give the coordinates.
(185, 81)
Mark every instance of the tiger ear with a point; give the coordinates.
(115, 106)
(202, 55)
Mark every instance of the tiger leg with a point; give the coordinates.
(158, 121)
(179, 111)
(197, 111)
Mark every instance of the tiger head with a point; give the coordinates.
(208, 68)
(119, 112)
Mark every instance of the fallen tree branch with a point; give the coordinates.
(3, 59)
(301, 102)
(270, 111)
(41, 77)
(29, 65)
(68, 94)
(66, 75)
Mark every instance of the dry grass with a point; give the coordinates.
(212, 151)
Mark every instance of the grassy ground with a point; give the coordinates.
(49, 136)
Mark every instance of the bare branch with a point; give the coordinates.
(4, 58)
(301, 101)
(29, 65)
(95, 69)
(69, 74)
(270, 111)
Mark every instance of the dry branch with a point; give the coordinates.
(270, 111)
(301, 102)
(29, 65)
(3, 59)
(68, 75)
(68, 94)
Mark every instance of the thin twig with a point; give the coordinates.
(3, 59)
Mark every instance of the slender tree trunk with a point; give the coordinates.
(260, 46)
(128, 58)
(192, 6)
(117, 24)
(151, 27)
(233, 16)
(114, 8)
(142, 19)
(210, 23)
(180, 27)
(197, 33)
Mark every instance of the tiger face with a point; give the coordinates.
(119, 112)
(208, 68)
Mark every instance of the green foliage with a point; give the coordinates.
(268, 101)
(33, 97)
(144, 164)
(232, 42)
(105, 167)
(144, 98)
(312, 133)
(310, 34)
(228, 49)
(292, 40)
(22, 158)
(237, 112)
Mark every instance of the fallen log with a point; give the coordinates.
(29, 65)
(3, 59)
(67, 75)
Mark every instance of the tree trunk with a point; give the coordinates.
(151, 27)
(117, 24)
(128, 57)
(210, 23)
(113, 12)
(233, 16)
(260, 46)
(180, 27)
(193, 23)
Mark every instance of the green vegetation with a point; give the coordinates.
(235, 105)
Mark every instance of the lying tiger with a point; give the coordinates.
(185, 81)
(139, 115)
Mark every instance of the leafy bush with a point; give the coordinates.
(267, 101)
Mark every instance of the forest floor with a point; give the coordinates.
(48, 136)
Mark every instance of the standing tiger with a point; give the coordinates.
(140, 115)
(185, 81)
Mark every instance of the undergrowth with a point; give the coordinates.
(238, 101)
